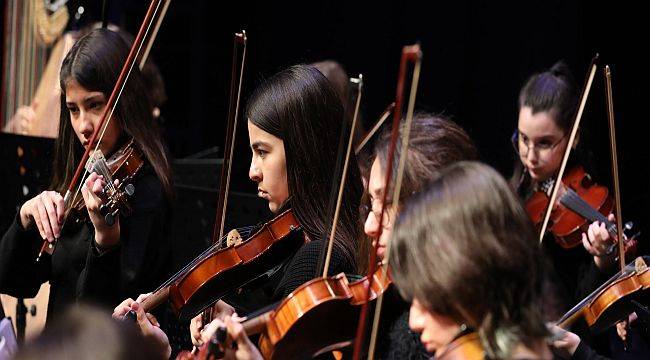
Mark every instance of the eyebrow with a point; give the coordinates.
(376, 193)
(543, 137)
(259, 143)
(96, 97)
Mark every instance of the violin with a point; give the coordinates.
(123, 166)
(611, 301)
(465, 347)
(218, 271)
(301, 325)
(580, 202)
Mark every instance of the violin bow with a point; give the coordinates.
(239, 43)
(412, 54)
(612, 143)
(330, 243)
(574, 132)
(375, 128)
(153, 14)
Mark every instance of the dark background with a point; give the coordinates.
(477, 55)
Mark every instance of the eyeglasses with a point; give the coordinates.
(523, 145)
(366, 208)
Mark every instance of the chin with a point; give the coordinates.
(273, 207)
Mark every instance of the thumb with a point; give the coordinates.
(237, 332)
(140, 315)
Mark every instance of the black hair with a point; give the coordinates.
(300, 106)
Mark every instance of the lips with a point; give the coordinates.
(381, 250)
(263, 194)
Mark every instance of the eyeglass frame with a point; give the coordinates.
(515, 144)
(365, 208)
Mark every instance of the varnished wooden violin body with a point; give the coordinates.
(466, 347)
(217, 272)
(581, 203)
(610, 302)
(318, 317)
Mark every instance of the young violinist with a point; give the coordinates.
(435, 142)
(547, 107)
(94, 261)
(294, 123)
(465, 253)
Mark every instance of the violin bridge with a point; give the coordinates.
(640, 265)
(233, 238)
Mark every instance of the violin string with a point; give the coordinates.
(621, 274)
(578, 204)
(106, 173)
(207, 252)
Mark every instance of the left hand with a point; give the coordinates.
(147, 323)
(563, 343)
(597, 240)
(92, 191)
(238, 345)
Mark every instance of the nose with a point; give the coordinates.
(254, 173)
(531, 156)
(415, 319)
(371, 226)
(86, 127)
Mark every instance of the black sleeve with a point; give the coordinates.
(141, 260)
(20, 274)
(584, 352)
(589, 278)
(302, 268)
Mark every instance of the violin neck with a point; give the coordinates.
(571, 200)
(156, 298)
(257, 324)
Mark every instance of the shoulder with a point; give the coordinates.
(149, 192)
(310, 253)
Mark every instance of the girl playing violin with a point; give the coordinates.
(547, 106)
(435, 143)
(465, 254)
(94, 261)
(294, 124)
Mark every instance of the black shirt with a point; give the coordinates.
(78, 272)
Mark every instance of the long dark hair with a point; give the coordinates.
(95, 62)
(299, 106)
(466, 249)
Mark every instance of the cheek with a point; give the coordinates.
(385, 235)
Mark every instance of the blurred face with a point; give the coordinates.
(268, 167)
(373, 226)
(435, 330)
(86, 108)
(541, 143)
